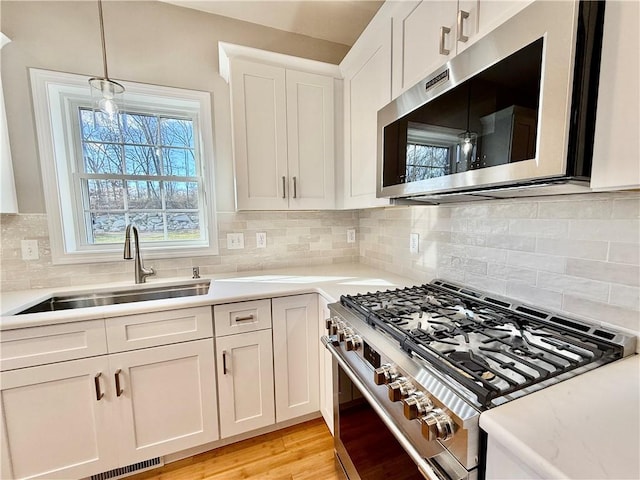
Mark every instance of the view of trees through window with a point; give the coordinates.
(141, 169)
(426, 161)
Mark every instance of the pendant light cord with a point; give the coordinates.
(104, 47)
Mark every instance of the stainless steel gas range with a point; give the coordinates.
(415, 368)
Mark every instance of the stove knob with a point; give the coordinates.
(330, 322)
(333, 324)
(416, 405)
(400, 388)
(354, 342)
(344, 333)
(385, 374)
(437, 425)
(336, 329)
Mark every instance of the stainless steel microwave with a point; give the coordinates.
(512, 115)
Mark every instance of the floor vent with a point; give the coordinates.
(128, 470)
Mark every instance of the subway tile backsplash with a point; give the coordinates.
(293, 239)
(577, 253)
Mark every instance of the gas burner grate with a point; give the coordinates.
(486, 346)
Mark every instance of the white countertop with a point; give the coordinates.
(331, 281)
(587, 427)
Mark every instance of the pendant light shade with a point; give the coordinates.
(108, 90)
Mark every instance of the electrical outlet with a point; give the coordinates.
(261, 239)
(235, 241)
(414, 243)
(29, 249)
(351, 235)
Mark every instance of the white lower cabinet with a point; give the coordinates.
(267, 375)
(167, 399)
(245, 382)
(66, 417)
(295, 355)
(53, 424)
(78, 418)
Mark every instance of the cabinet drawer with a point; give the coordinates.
(26, 347)
(242, 317)
(158, 328)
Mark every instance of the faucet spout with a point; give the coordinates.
(141, 273)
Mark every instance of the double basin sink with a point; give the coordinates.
(115, 297)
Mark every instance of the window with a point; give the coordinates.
(146, 165)
(426, 161)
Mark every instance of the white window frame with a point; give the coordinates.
(55, 96)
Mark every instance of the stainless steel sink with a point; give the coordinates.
(84, 300)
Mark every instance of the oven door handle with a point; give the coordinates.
(424, 468)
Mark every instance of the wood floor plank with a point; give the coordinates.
(300, 452)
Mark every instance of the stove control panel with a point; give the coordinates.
(436, 424)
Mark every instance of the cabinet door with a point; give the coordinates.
(295, 359)
(310, 135)
(53, 423)
(367, 88)
(326, 368)
(492, 13)
(418, 39)
(616, 143)
(258, 107)
(167, 399)
(245, 382)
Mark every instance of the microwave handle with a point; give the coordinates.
(423, 467)
(462, 16)
(444, 31)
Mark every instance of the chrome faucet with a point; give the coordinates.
(141, 273)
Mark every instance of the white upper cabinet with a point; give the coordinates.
(283, 117)
(8, 199)
(367, 88)
(426, 34)
(615, 151)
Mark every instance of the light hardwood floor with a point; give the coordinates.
(301, 452)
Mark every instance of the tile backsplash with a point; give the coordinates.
(578, 254)
(293, 239)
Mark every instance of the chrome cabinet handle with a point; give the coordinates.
(462, 16)
(444, 31)
(284, 187)
(119, 390)
(224, 362)
(295, 188)
(244, 319)
(96, 380)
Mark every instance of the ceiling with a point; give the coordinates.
(339, 21)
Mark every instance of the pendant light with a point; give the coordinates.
(468, 138)
(108, 89)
